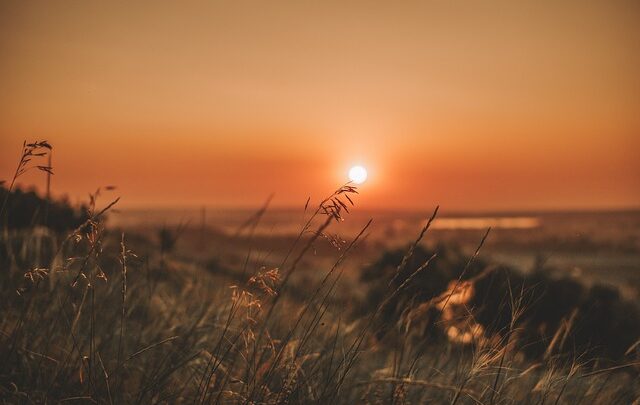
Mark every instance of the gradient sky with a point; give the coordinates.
(472, 105)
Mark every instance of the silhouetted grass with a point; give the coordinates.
(97, 322)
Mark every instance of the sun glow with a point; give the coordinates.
(358, 174)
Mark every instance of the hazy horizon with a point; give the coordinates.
(276, 205)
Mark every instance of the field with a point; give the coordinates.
(99, 310)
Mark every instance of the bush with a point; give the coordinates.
(589, 321)
(26, 209)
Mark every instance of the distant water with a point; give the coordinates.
(281, 221)
(602, 246)
(620, 229)
(507, 222)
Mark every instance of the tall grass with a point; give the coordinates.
(101, 324)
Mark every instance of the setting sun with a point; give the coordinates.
(358, 174)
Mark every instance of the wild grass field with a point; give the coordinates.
(92, 314)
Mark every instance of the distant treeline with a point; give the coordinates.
(24, 209)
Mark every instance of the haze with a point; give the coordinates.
(499, 105)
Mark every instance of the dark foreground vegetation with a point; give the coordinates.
(87, 319)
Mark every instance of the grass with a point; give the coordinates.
(91, 320)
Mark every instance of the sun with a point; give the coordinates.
(358, 174)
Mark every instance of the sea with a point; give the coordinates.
(595, 246)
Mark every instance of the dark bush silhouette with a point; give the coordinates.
(596, 320)
(25, 209)
(425, 286)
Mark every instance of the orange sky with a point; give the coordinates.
(475, 105)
